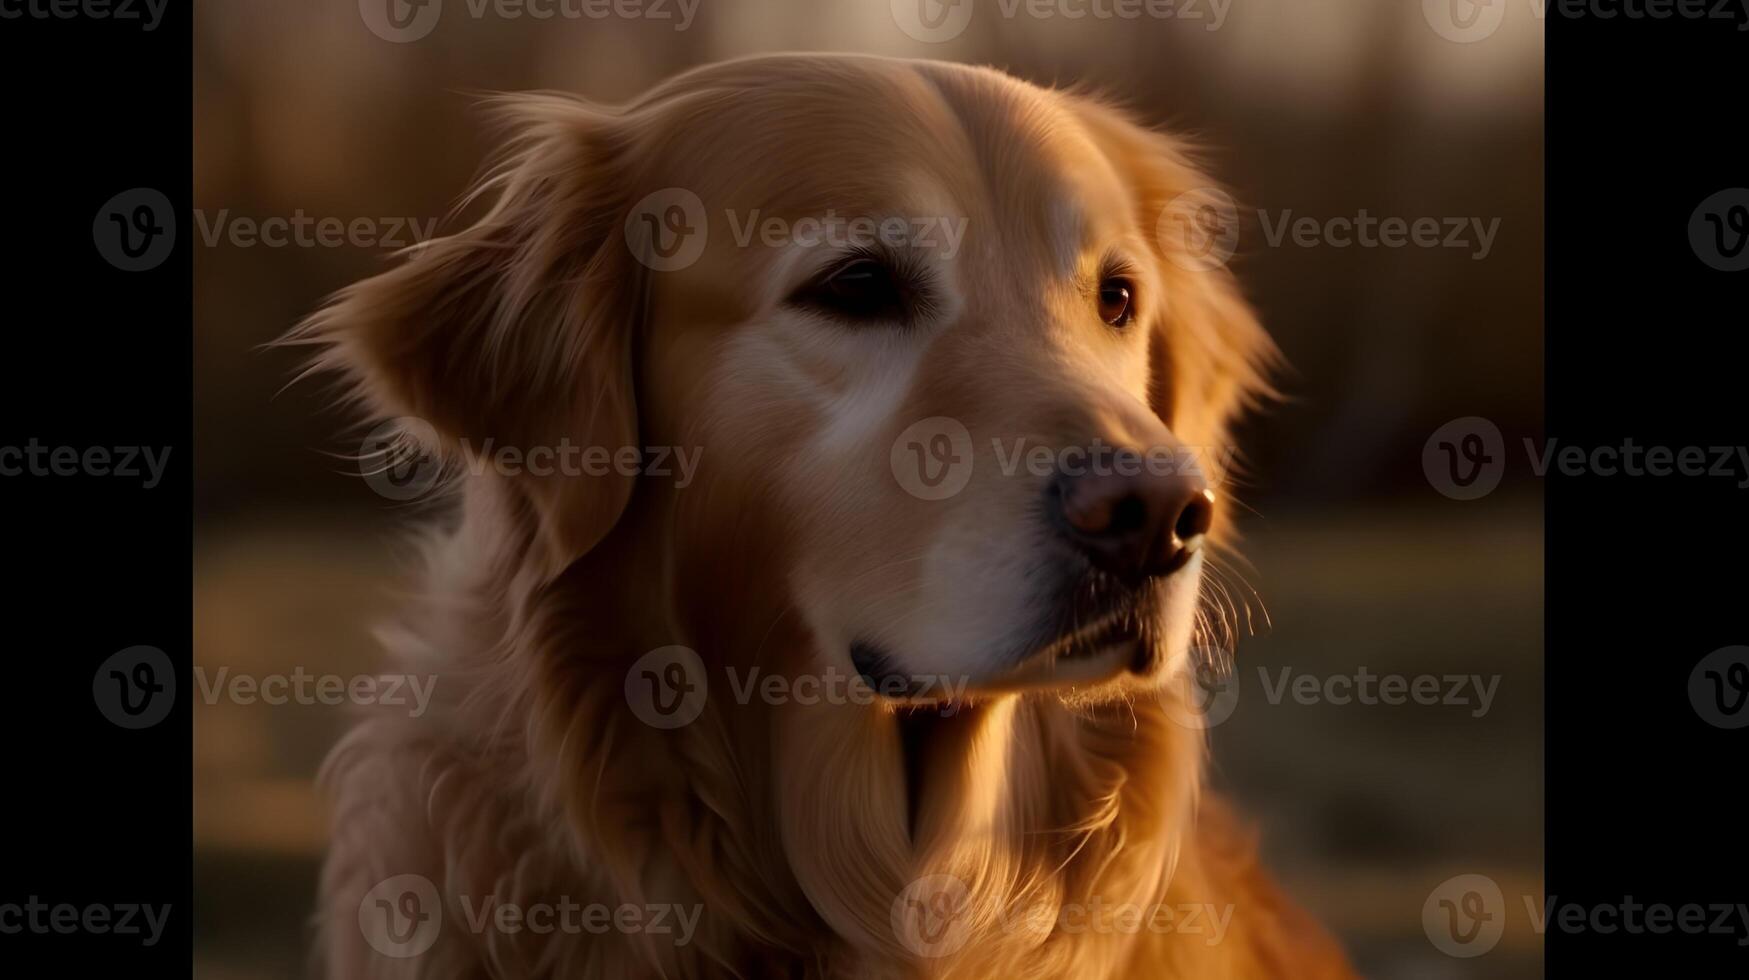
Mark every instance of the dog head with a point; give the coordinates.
(933, 336)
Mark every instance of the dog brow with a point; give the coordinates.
(1064, 227)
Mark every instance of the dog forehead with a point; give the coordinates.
(874, 135)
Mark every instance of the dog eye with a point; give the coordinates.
(1116, 302)
(864, 289)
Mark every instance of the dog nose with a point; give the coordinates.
(1135, 525)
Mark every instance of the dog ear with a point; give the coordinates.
(1211, 357)
(517, 330)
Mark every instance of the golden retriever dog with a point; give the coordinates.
(896, 681)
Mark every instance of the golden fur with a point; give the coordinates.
(792, 825)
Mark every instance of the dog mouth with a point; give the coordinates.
(1097, 649)
(1110, 646)
(1087, 657)
(1115, 629)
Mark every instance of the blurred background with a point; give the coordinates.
(1344, 109)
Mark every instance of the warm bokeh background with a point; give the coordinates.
(1321, 109)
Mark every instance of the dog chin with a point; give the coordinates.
(1107, 652)
(1104, 661)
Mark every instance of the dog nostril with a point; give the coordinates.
(1197, 516)
(1097, 514)
(1131, 527)
(1130, 513)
